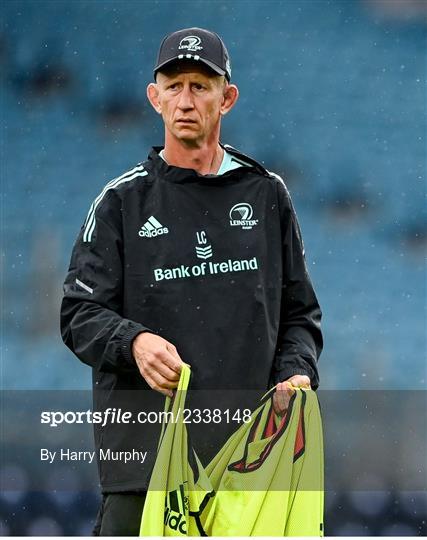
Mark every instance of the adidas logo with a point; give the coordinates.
(152, 228)
(176, 506)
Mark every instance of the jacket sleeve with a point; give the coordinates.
(92, 325)
(300, 339)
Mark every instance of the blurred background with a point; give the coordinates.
(332, 97)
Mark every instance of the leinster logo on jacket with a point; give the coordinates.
(240, 216)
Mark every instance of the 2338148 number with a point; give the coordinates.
(215, 416)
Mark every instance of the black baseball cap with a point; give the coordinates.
(195, 44)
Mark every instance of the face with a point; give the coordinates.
(191, 99)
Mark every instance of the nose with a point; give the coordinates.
(185, 98)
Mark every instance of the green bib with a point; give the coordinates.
(267, 480)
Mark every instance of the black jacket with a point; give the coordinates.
(214, 264)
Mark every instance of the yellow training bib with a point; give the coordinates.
(267, 480)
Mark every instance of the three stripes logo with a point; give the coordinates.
(152, 228)
(176, 506)
(206, 251)
(90, 223)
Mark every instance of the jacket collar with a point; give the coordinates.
(180, 174)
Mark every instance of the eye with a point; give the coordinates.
(198, 86)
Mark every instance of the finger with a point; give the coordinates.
(158, 361)
(150, 368)
(162, 368)
(172, 358)
(283, 395)
(285, 386)
(299, 381)
(167, 393)
(276, 406)
(282, 400)
(161, 381)
(152, 383)
(151, 363)
(280, 403)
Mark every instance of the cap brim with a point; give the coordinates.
(177, 59)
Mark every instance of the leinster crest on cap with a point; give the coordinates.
(191, 43)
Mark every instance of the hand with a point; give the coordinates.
(284, 392)
(158, 362)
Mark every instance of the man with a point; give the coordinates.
(194, 255)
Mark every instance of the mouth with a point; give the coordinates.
(185, 121)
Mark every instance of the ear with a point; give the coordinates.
(153, 97)
(230, 96)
